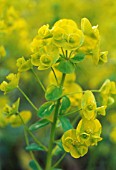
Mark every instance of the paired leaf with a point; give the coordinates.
(41, 123)
(66, 125)
(53, 92)
(65, 104)
(34, 147)
(46, 109)
(65, 66)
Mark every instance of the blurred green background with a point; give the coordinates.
(19, 22)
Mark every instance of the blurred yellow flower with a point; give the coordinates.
(13, 81)
(23, 65)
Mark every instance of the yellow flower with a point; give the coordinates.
(11, 110)
(44, 32)
(13, 81)
(10, 115)
(107, 89)
(88, 105)
(3, 120)
(101, 110)
(103, 57)
(88, 131)
(2, 51)
(67, 35)
(91, 45)
(23, 65)
(15, 120)
(72, 145)
(46, 56)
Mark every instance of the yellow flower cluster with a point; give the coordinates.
(88, 131)
(65, 35)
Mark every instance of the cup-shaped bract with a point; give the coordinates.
(88, 105)
(72, 145)
(88, 131)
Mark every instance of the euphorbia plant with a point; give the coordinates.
(60, 50)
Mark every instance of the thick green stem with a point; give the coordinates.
(22, 92)
(38, 80)
(53, 128)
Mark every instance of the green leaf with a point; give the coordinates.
(46, 109)
(34, 147)
(66, 125)
(33, 165)
(41, 123)
(53, 92)
(65, 66)
(78, 57)
(65, 104)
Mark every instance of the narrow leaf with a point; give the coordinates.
(41, 123)
(34, 147)
(46, 109)
(65, 104)
(53, 92)
(66, 125)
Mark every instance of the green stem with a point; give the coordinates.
(70, 54)
(38, 80)
(31, 134)
(54, 75)
(62, 51)
(95, 91)
(53, 128)
(66, 54)
(27, 98)
(73, 111)
(57, 163)
(31, 153)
